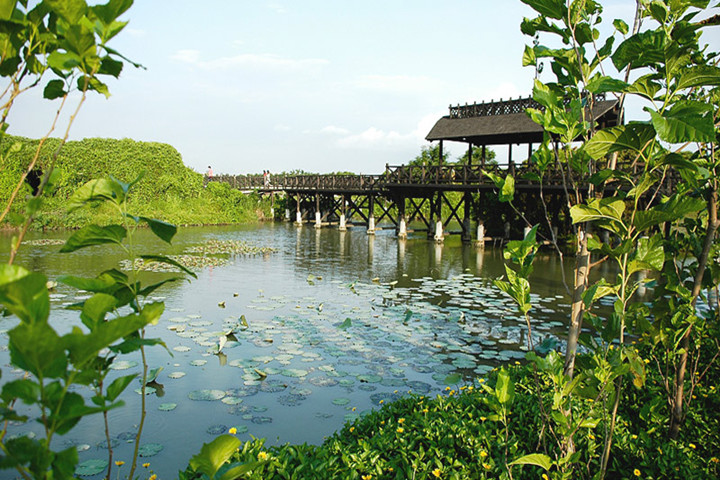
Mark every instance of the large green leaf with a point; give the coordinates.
(110, 11)
(602, 84)
(687, 121)
(698, 76)
(678, 206)
(163, 230)
(96, 308)
(119, 385)
(640, 50)
(94, 235)
(169, 261)
(38, 349)
(24, 294)
(504, 388)
(649, 255)
(213, 455)
(25, 389)
(101, 189)
(538, 459)
(548, 8)
(6, 9)
(70, 10)
(606, 209)
(634, 137)
(646, 86)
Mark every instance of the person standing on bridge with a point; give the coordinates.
(208, 175)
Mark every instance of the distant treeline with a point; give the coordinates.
(169, 190)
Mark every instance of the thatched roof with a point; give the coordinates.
(503, 123)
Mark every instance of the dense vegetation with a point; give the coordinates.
(170, 191)
(461, 435)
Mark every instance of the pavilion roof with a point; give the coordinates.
(505, 122)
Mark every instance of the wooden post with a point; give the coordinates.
(511, 165)
(470, 150)
(482, 157)
(439, 233)
(272, 205)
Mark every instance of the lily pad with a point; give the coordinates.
(181, 348)
(206, 395)
(176, 375)
(123, 364)
(91, 467)
(198, 363)
(166, 407)
(217, 429)
(341, 401)
(150, 449)
(294, 372)
(369, 378)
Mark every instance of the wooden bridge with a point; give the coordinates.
(437, 196)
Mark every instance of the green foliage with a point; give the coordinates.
(175, 193)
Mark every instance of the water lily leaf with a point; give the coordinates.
(91, 467)
(369, 378)
(176, 375)
(341, 401)
(150, 449)
(166, 407)
(198, 363)
(294, 372)
(206, 395)
(123, 364)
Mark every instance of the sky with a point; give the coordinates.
(314, 85)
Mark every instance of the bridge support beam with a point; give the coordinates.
(298, 213)
(342, 227)
(318, 215)
(467, 203)
(480, 242)
(402, 221)
(439, 235)
(371, 215)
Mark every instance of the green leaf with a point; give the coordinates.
(602, 84)
(163, 230)
(678, 206)
(687, 121)
(26, 390)
(101, 189)
(640, 50)
(548, 8)
(238, 470)
(24, 294)
(94, 235)
(104, 283)
(63, 61)
(537, 459)
(621, 26)
(54, 89)
(6, 9)
(633, 136)
(37, 348)
(96, 308)
(63, 463)
(70, 10)
(698, 76)
(649, 255)
(346, 324)
(507, 192)
(645, 86)
(118, 386)
(110, 11)
(505, 388)
(214, 454)
(604, 209)
(528, 57)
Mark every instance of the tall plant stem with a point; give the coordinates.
(677, 414)
(582, 270)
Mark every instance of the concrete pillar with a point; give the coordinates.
(371, 224)
(272, 212)
(480, 234)
(402, 228)
(287, 214)
(342, 227)
(318, 220)
(298, 213)
(439, 237)
(438, 254)
(298, 219)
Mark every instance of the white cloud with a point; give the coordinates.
(374, 137)
(282, 128)
(247, 60)
(333, 130)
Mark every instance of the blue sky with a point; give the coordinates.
(318, 85)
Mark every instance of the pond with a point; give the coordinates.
(326, 326)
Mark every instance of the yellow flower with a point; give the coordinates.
(153, 477)
(634, 437)
(482, 380)
(352, 429)
(400, 430)
(232, 431)
(692, 445)
(482, 419)
(437, 472)
(486, 466)
(591, 436)
(354, 408)
(425, 410)
(381, 401)
(382, 422)
(146, 465)
(119, 463)
(636, 472)
(483, 454)
(401, 421)
(262, 456)
(715, 460)
(463, 387)
(545, 477)
(366, 477)
(447, 388)
(517, 363)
